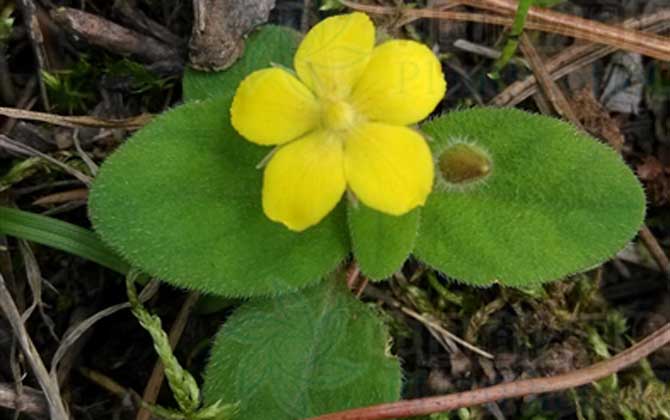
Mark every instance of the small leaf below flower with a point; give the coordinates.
(381, 242)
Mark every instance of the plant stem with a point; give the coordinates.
(513, 39)
(424, 406)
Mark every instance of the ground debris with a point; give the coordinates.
(219, 29)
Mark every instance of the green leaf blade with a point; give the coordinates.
(182, 198)
(381, 242)
(314, 352)
(59, 235)
(557, 202)
(182, 201)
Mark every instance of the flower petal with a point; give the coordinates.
(304, 181)
(389, 168)
(402, 83)
(271, 106)
(334, 53)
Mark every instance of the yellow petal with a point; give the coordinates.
(334, 53)
(304, 181)
(389, 168)
(271, 106)
(402, 83)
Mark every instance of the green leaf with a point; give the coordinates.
(302, 355)
(182, 201)
(60, 235)
(381, 242)
(265, 47)
(556, 201)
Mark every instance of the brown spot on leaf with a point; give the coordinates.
(462, 163)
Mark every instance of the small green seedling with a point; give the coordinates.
(513, 198)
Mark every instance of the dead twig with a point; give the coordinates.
(136, 19)
(408, 15)
(78, 194)
(576, 57)
(17, 147)
(589, 30)
(651, 243)
(34, 277)
(353, 272)
(542, 20)
(24, 101)
(472, 48)
(424, 406)
(90, 164)
(109, 384)
(551, 90)
(7, 90)
(74, 333)
(116, 38)
(29, 401)
(29, 12)
(131, 123)
(432, 326)
(49, 386)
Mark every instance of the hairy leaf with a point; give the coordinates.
(182, 198)
(381, 242)
(301, 355)
(182, 201)
(556, 201)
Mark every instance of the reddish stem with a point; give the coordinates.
(424, 406)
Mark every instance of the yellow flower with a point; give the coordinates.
(341, 122)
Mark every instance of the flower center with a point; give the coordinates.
(337, 115)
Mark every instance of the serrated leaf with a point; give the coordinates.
(315, 352)
(381, 242)
(182, 201)
(556, 202)
(267, 46)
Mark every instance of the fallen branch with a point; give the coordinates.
(541, 20)
(30, 401)
(49, 386)
(116, 38)
(589, 30)
(16, 147)
(576, 57)
(551, 90)
(29, 11)
(131, 123)
(657, 253)
(424, 406)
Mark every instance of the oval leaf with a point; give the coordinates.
(302, 355)
(182, 201)
(556, 201)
